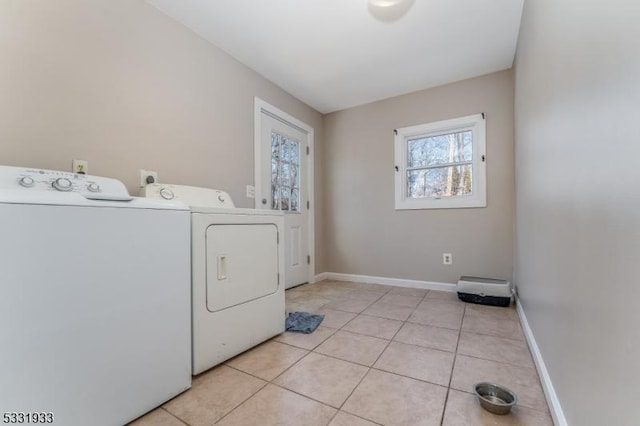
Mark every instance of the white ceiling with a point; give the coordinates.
(334, 54)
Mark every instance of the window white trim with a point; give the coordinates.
(478, 197)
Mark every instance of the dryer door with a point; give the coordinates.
(242, 263)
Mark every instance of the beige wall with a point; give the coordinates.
(578, 203)
(366, 235)
(123, 86)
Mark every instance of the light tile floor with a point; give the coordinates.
(383, 355)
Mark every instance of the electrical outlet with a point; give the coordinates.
(147, 177)
(80, 167)
(447, 259)
(251, 191)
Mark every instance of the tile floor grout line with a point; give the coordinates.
(354, 389)
(272, 381)
(499, 362)
(267, 382)
(409, 377)
(240, 404)
(251, 374)
(369, 368)
(172, 415)
(305, 396)
(425, 347)
(355, 415)
(494, 335)
(312, 349)
(373, 364)
(388, 344)
(453, 366)
(345, 360)
(346, 323)
(289, 367)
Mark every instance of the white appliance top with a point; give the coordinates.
(21, 185)
(200, 200)
(190, 195)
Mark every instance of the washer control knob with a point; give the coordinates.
(93, 187)
(62, 184)
(166, 193)
(221, 198)
(26, 181)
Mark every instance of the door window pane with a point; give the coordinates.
(285, 149)
(275, 197)
(293, 176)
(275, 173)
(285, 168)
(295, 198)
(294, 151)
(275, 147)
(285, 195)
(285, 178)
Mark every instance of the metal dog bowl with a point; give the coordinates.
(495, 398)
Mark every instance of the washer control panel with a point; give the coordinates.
(92, 187)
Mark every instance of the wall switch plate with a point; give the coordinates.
(80, 167)
(251, 191)
(147, 177)
(447, 259)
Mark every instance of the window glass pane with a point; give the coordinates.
(285, 175)
(275, 147)
(275, 169)
(295, 199)
(275, 173)
(285, 149)
(285, 194)
(439, 182)
(294, 176)
(294, 151)
(285, 160)
(275, 197)
(441, 149)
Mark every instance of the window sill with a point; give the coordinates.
(430, 204)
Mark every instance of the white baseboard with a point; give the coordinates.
(397, 282)
(319, 277)
(549, 392)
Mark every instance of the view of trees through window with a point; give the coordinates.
(285, 166)
(440, 166)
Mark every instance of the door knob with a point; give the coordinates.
(264, 201)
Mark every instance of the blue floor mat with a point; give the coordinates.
(303, 322)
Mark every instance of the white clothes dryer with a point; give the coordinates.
(237, 262)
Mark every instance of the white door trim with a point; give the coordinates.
(261, 107)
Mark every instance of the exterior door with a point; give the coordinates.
(284, 186)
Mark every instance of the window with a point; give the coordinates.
(285, 164)
(441, 165)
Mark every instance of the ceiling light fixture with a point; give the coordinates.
(389, 10)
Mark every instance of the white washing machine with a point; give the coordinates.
(94, 300)
(237, 266)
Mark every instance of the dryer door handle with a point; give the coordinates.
(222, 267)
